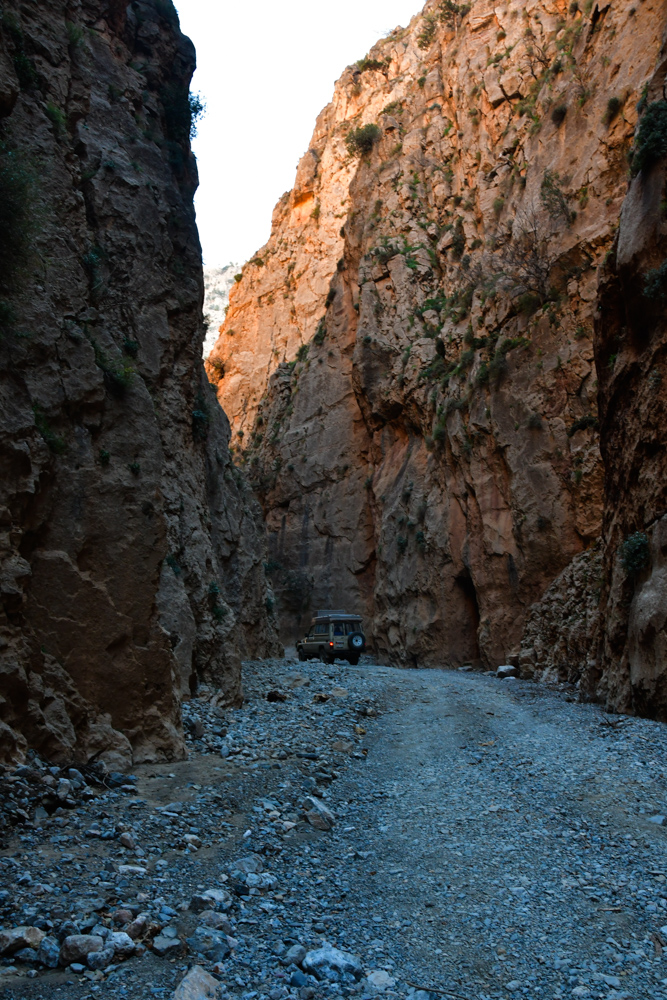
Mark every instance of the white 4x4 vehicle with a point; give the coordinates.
(333, 635)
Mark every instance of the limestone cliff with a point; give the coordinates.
(131, 555)
(408, 363)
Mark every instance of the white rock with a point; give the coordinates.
(198, 985)
(251, 865)
(506, 670)
(122, 944)
(326, 957)
(380, 979)
(658, 819)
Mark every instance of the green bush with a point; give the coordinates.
(369, 64)
(320, 333)
(167, 11)
(54, 443)
(74, 34)
(302, 353)
(583, 423)
(458, 240)
(635, 553)
(360, 141)
(172, 563)
(117, 376)
(58, 119)
(655, 282)
(614, 105)
(17, 216)
(529, 303)
(498, 205)
(182, 110)
(23, 65)
(651, 142)
(558, 114)
(554, 198)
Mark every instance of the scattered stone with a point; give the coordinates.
(48, 953)
(317, 814)
(209, 942)
(77, 947)
(198, 985)
(20, 937)
(326, 959)
(295, 955)
(380, 979)
(163, 945)
(122, 944)
(100, 959)
(507, 670)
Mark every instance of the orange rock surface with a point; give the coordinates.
(407, 365)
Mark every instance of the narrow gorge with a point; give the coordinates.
(444, 371)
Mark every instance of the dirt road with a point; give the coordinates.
(491, 839)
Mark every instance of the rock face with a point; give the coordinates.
(131, 548)
(408, 363)
(561, 636)
(631, 353)
(217, 283)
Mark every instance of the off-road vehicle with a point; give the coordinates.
(333, 635)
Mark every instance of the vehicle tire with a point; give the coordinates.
(356, 643)
(353, 659)
(302, 656)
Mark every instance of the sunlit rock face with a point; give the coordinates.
(131, 563)
(408, 363)
(217, 283)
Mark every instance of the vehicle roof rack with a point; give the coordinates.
(326, 611)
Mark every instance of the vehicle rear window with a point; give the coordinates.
(352, 627)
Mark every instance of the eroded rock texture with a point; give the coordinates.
(131, 548)
(408, 363)
(631, 355)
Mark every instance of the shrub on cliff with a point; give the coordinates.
(635, 553)
(651, 141)
(182, 110)
(17, 219)
(360, 141)
(655, 282)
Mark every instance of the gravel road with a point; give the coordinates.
(491, 839)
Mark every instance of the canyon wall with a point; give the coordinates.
(408, 364)
(132, 550)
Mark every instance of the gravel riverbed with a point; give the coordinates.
(454, 834)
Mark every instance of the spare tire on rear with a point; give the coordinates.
(356, 642)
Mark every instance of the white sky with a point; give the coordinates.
(265, 71)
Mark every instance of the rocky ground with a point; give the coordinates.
(449, 832)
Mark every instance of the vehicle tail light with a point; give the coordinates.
(331, 643)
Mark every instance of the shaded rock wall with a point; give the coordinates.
(631, 356)
(414, 390)
(131, 548)
(561, 636)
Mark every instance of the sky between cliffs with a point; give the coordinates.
(265, 71)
